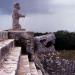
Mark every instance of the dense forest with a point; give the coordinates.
(64, 40)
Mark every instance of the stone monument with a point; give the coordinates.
(16, 16)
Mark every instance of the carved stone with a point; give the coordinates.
(16, 16)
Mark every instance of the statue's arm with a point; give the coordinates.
(17, 14)
(20, 15)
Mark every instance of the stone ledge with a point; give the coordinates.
(24, 68)
(5, 47)
(33, 69)
(9, 66)
(3, 35)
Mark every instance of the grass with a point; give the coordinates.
(67, 54)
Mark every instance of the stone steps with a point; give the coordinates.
(10, 64)
(6, 42)
(27, 68)
(33, 69)
(24, 68)
(5, 47)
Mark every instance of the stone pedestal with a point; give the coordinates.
(23, 39)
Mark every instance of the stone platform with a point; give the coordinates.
(9, 66)
(24, 39)
(19, 33)
(5, 47)
(12, 62)
(27, 68)
(24, 68)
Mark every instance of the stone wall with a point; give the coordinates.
(49, 60)
(5, 47)
(3, 35)
(45, 43)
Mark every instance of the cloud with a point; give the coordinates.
(49, 23)
(63, 2)
(34, 6)
(6, 6)
(42, 23)
(63, 17)
(45, 6)
(0, 11)
(5, 22)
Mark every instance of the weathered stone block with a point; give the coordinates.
(24, 68)
(3, 35)
(23, 39)
(5, 47)
(10, 65)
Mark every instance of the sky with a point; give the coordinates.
(41, 15)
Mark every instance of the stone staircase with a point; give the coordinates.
(24, 68)
(12, 62)
(5, 47)
(27, 68)
(33, 69)
(9, 56)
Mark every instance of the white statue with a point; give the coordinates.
(16, 16)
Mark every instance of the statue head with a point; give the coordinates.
(17, 6)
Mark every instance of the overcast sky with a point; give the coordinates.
(41, 15)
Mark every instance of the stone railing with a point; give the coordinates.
(5, 47)
(3, 35)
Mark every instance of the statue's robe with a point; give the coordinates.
(16, 17)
